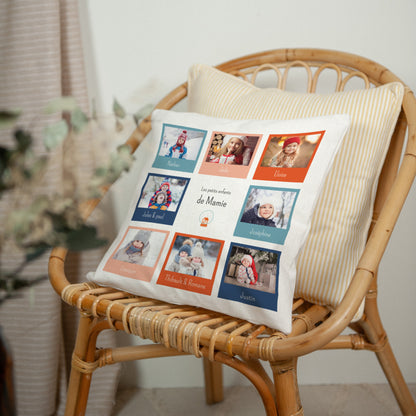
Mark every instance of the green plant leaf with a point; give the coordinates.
(78, 120)
(8, 117)
(55, 134)
(84, 238)
(143, 112)
(118, 109)
(35, 252)
(24, 140)
(61, 104)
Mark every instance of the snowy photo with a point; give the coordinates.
(160, 199)
(162, 192)
(140, 246)
(268, 207)
(193, 256)
(181, 143)
(179, 148)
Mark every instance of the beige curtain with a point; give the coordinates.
(41, 59)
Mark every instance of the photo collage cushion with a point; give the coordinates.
(220, 212)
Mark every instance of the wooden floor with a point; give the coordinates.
(327, 400)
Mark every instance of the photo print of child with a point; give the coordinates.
(231, 149)
(290, 151)
(287, 158)
(160, 194)
(193, 256)
(181, 143)
(141, 247)
(268, 207)
(252, 268)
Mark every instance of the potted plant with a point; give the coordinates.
(38, 220)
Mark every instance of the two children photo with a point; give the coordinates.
(193, 256)
(162, 192)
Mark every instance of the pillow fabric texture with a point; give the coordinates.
(220, 212)
(344, 210)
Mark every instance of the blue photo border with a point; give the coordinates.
(264, 232)
(156, 216)
(183, 165)
(248, 295)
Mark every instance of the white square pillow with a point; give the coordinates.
(344, 210)
(220, 212)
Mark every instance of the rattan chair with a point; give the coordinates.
(217, 338)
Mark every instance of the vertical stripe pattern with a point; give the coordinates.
(343, 213)
(41, 59)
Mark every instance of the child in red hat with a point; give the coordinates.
(178, 150)
(285, 158)
(247, 272)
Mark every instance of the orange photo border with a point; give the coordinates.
(187, 282)
(131, 270)
(268, 173)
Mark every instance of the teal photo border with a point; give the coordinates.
(264, 232)
(182, 165)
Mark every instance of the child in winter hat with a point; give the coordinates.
(285, 158)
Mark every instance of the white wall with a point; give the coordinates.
(139, 50)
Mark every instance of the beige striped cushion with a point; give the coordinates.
(337, 237)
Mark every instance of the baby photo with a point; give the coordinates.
(251, 276)
(288, 157)
(252, 268)
(160, 198)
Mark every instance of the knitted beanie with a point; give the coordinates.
(198, 250)
(143, 236)
(290, 140)
(187, 247)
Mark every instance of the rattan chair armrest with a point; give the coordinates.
(56, 268)
(364, 275)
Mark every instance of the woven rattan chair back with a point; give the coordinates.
(220, 339)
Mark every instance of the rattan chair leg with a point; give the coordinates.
(286, 386)
(78, 388)
(373, 328)
(254, 377)
(395, 378)
(214, 392)
(259, 369)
